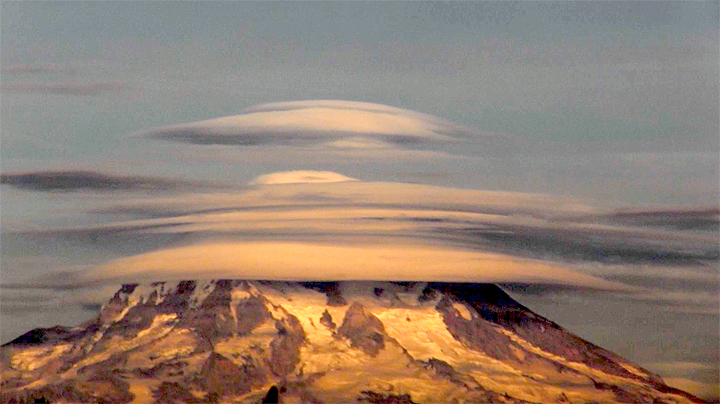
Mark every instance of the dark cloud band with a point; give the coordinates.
(92, 181)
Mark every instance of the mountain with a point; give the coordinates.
(319, 342)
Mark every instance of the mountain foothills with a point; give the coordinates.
(228, 341)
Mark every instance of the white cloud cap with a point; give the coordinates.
(300, 177)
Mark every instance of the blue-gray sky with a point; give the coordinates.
(610, 105)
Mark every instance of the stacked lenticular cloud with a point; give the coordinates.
(358, 124)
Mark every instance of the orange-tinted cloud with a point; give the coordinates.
(332, 262)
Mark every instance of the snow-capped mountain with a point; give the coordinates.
(319, 342)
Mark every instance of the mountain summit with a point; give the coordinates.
(229, 341)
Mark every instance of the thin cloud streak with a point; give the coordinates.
(352, 150)
(65, 88)
(362, 193)
(36, 68)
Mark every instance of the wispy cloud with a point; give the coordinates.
(362, 193)
(310, 155)
(65, 88)
(694, 218)
(31, 68)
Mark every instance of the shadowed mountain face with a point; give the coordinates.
(376, 342)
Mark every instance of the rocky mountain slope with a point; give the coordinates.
(321, 342)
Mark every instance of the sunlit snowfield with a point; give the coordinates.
(566, 151)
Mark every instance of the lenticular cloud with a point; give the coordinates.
(312, 122)
(300, 177)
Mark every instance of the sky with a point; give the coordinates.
(568, 151)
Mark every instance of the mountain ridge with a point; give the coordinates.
(233, 340)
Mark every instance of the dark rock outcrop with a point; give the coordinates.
(174, 393)
(368, 396)
(327, 321)
(117, 304)
(476, 333)
(330, 289)
(251, 312)
(212, 319)
(178, 301)
(163, 370)
(53, 335)
(220, 376)
(365, 331)
(285, 348)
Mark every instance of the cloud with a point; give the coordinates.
(605, 244)
(363, 193)
(50, 181)
(700, 379)
(65, 88)
(358, 142)
(334, 262)
(696, 278)
(36, 68)
(707, 391)
(695, 302)
(694, 218)
(343, 154)
(26, 299)
(534, 225)
(296, 177)
(344, 124)
(458, 227)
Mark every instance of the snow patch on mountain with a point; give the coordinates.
(322, 342)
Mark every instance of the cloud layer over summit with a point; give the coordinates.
(284, 224)
(566, 150)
